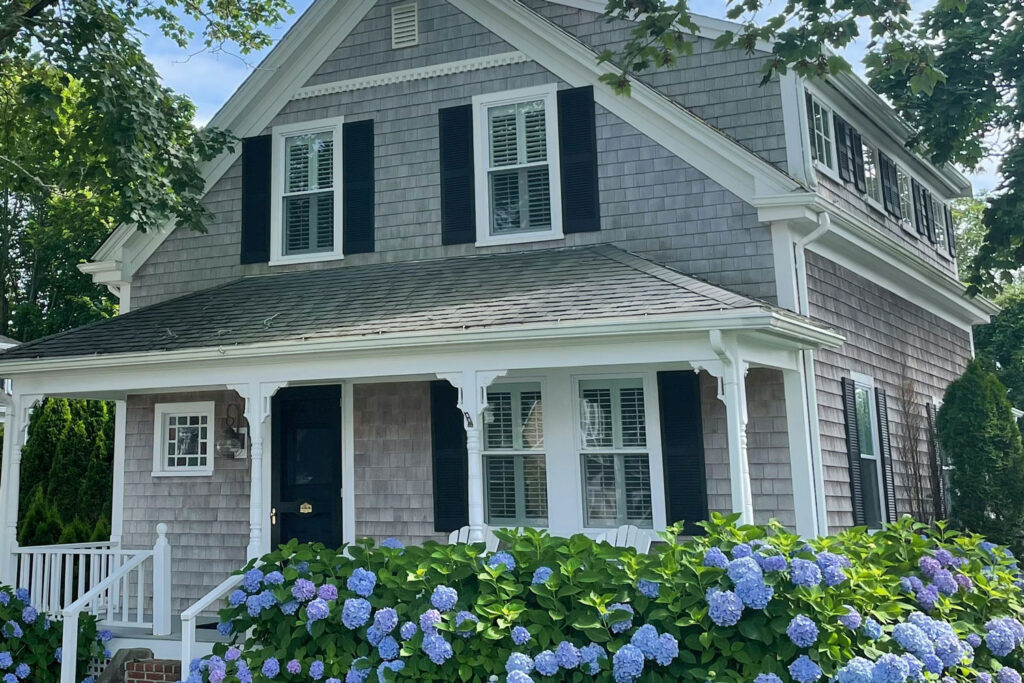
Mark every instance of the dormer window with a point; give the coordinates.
(306, 211)
(819, 120)
(518, 183)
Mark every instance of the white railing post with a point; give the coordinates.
(69, 647)
(161, 583)
(188, 618)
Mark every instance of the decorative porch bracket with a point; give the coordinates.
(19, 410)
(257, 396)
(731, 371)
(472, 387)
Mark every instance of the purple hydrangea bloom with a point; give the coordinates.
(408, 630)
(974, 640)
(944, 557)
(358, 672)
(742, 550)
(355, 613)
(857, 670)
(567, 655)
(744, 569)
(945, 582)
(767, 678)
(890, 669)
(22, 594)
(29, 615)
(546, 663)
(225, 628)
(912, 639)
(1008, 675)
(755, 594)
(6, 661)
(392, 543)
(517, 661)
(928, 566)
(274, 579)
(444, 598)
(465, 623)
(590, 656)
(851, 619)
(927, 597)
(271, 667)
(804, 573)
(23, 670)
(999, 639)
(294, 667)
(627, 664)
(327, 592)
(520, 636)
(802, 631)
(932, 664)
(252, 580)
(5, 598)
(236, 598)
(518, 677)
(374, 635)
(436, 647)
(386, 619)
(949, 649)
(395, 665)
(725, 608)
(984, 677)
(317, 610)
(541, 575)
(915, 668)
(911, 584)
(648, 589)
(714, 557)
(232, 654)
(316, 670)
(388, 648)
(304, 590)
(290, 608)
(804, 670)
(623, 625)
(774, 563)
(668, 649)
(645, 639)
(253, 605)
(964, 582)
(502, 558)
(11, 678)
(362, 582)
(429, 621)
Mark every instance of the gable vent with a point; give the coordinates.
(405, 31)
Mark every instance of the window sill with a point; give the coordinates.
(908, 228)
(825, 170)
(519, 238)
(186, 473)
(306, 258)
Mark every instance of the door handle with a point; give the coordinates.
(273, 516)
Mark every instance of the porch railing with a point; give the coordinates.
(188, 617)
(57, 575)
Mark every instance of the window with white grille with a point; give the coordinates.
(405, 30)
(872, 179)
(906, 199)
(183, 438)
(307, 200)
(514, 461)
(939, 211)
(823, 143)
(519, 198)
(614, 456)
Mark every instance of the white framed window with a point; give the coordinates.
(614, 454)
(872, 177)
(939, 213)
(405, 31)
(906, 196)
(822, 134)
(306, 206)
(870, 462)
(515, 466)
(518, 182)
(183, 439)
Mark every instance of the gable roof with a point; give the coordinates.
(550, 288)
(7, 341)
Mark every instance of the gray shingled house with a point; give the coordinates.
(450, 280)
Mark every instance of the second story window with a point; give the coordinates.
(819, 120)
(906, 196)
(518, 183)
(939, 212)
(306, 202)
(872, 178)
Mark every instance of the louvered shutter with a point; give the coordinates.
(950, 233)
(929, 214)
(358, 188)
(853, 451)
(450, 458)
(256, 165)
(458, 200)
(885, 455)
(577, 142)
(935, 457)
(857, 154)
(890, 185)
(809, 105)
(919, 219)
(682, 446)
(844, 161)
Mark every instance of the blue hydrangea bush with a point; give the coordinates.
(910, 603)
(30, 642)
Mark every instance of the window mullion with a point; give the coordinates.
(520, 488)
(620, 489)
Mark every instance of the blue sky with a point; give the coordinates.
(208, 78)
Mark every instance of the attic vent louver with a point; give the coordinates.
(405, 30)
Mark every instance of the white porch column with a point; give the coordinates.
(472, 386)
(257, 397)
(15, 432)
(733, 393)
(117, 508)
(806, 490)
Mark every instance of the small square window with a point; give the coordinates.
(181, 439)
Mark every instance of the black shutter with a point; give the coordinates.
(885, 455)
(857, 154)
(938, 475)
(890, 185)
(358, 190)
(929, 214)
(450, 458)
(256, 163)
(682, 447)
(843, 160)
(950, 232)
(809, 104)
(919, 221)
(577, 142)
(853, 451)
(458, 199)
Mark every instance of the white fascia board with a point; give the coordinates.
(672, 126)
(295, 58)
(781, 328)
(879, 257)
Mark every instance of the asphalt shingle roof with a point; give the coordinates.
(462, 293)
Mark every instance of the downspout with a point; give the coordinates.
(807, 358)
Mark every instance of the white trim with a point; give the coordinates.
(482, 167)
(407, 75)
(279, 161)
(348, 463)
(794, 121)
(120, 439)
(829, 115)
(162, 411)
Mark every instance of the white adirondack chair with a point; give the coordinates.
(629, 536)
(462, 536)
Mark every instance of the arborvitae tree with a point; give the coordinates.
(77, 532)
(46, 429)
(70, 465)
(982, 443)
(40, 525)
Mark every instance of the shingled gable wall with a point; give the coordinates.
(652, 202)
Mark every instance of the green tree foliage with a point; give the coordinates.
(1002, 342)
(982, 444)
(954, 74)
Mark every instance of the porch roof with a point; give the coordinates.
(544, 287)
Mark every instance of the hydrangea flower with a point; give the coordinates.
(358, 672)
(590, 656)
(932, 664)
(725, 608)
(546, 663)
(520, 636)
(767, 678)
(648, 589)
(271, 667)
(802, 631)
(754, 593)
(517, 661)
(804, 573)
(362, 582)
(303, 590)
(773, 563)
(252, 580)
(645, 639)
(436, 647)
(627, 664)
(518, 677)
(927, 597)
(541, 575)
(225, 628)
(5, 598)
(857, 670)
(290, 608)
(944, 557)
(851, 619)
(294, 667)
(945, 582)
(6, 661)
(274, 578)
(623, 625)
(385, 619)
(964, 582)
(12, 629)
(355, 613)
(804, 670)
(327, 591)
(502, 558)
(23, 670)
(22, 594)
(915, 667)
(392, 543)
(254, 605)
(871, 628)
(890, 669)
(444, 598)
(236, 598)
(912, 639)
(928, 566)
(317, 610)
(668, 649)
(911, 584)
(744, 569)
(567, 655)
(742, 550)
(974, 640)
(408, 630)
(29, 615)
(714, 557)
(374, 635)
(1008, 675)
(429, 620)
(465, 623)
(232, 654)
(388, 648)
(949, 650)
(395, 665)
